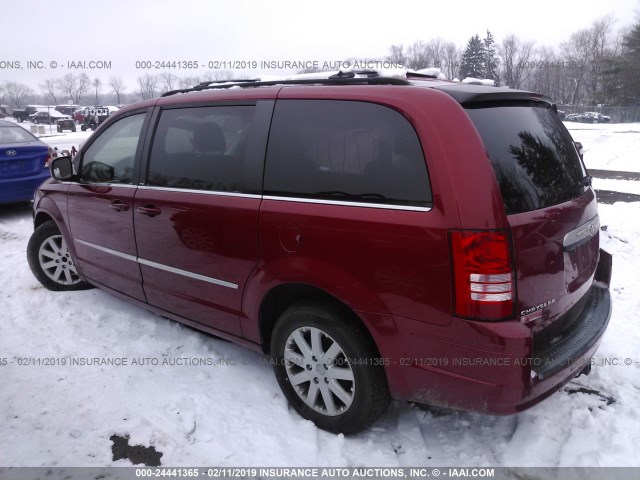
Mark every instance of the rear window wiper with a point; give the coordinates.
(586, 181)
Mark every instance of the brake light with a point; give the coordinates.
(483, 276)
(46, 161)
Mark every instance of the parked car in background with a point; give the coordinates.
(377, 237)
(22, 115)
(49, 117)
(594, 117)
(572, 117)
(23, 163)
(67, 109)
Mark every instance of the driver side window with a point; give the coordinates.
(110, 158)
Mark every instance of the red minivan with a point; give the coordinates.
(379, 238)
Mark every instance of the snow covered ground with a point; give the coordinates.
(231, 413)
(614, 146)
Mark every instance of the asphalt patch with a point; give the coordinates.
(609, 197)
(135, 453)
(615, 174)
(588, 391)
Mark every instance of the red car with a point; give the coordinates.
(377, 237)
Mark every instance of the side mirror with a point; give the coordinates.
(61, 168)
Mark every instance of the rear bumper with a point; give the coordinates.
(21, 189)
(497, 368)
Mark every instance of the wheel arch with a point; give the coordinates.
(48, 210)
(42, 217)
(283, 296)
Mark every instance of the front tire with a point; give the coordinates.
(50, 260)
(328, 368)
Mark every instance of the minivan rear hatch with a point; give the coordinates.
(549, 204)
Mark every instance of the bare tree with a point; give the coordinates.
(516, 59)
(224, 75)
(436, 49)
(84, 82)
(74, 87)
(48, 88)
(118, 87)
(148, 86)
(600, 51)
(67, 85)
(549, 76)
(397, 55)
(418, 56)
(18, 93)
(577, 54)
(97, 83)
(186, 82)
(451, 60)
(169, 81)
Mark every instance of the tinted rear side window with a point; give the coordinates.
(533, 156)
(203, 148)
(347, 151)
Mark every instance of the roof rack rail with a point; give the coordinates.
(333, 80)
(420, 75)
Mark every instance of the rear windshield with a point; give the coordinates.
(15, 135)
(533, 156)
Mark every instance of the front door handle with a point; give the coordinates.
(119, 206)
(150, 210)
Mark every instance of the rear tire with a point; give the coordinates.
(328, 368)
(50, 260)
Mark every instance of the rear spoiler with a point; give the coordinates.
(468, 94)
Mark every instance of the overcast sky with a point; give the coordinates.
(125, 31)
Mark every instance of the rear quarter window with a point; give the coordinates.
(532, 154)
(346, 151)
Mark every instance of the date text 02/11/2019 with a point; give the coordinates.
(263, 64)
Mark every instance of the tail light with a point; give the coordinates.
(47, 160)
(483, 275)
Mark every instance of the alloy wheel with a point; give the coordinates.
(319, 371)
(56, 262)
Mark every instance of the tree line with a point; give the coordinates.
(596, 65)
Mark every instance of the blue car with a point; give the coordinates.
(23, 163)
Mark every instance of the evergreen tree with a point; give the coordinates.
(473, 57)
(490, 58)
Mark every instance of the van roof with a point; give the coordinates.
(464, 93)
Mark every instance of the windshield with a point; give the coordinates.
(533, 155)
